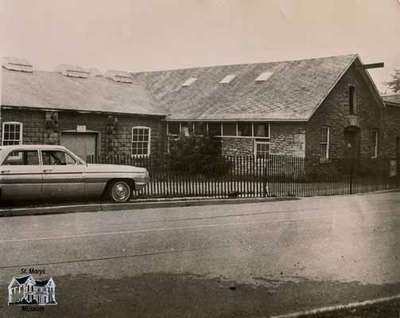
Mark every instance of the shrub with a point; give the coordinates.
(197, 155)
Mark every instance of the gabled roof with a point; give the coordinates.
(292, 93)
(53, 90)
(23, 279)
(392, 99)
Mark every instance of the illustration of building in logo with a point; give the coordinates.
(26, 290)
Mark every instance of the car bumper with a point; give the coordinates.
(140, 185)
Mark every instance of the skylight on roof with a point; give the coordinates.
(119, 76)
(73, 71)
(15, 64)
(189, 81)
(264, 76)
(227, 79)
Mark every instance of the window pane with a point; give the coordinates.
(261, 130)
(324, 134)
(244, 129)
(214, 129)
(352, 100)
(69, 160)
(56, 158)
(140, 141)
(375, 142)
(229, 129)
(14, 158)
(22, 157)
(323, 153)
(187, 128)
(12, 134)
(262, 149)
(185, 131)
(173, 128)
(31, 157)
(200, 128)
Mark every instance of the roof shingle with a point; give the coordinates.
(294, 90)
(55, 91)
(392, 99)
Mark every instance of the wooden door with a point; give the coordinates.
(82, 144)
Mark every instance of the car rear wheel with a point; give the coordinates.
(120, 191)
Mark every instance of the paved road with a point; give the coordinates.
(247, 260)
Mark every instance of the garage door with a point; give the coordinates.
(82, 144)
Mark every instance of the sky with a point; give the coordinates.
(144, 35)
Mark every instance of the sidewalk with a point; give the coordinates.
(80, 207)
(388, 307)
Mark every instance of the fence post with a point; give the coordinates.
(264, 176)
(351, 174)
(398, 162)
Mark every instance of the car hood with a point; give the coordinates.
(92, 167)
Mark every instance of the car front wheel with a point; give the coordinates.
(120, 191)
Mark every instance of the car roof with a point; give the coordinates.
(28, 147)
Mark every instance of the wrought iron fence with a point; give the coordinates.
(272, 176)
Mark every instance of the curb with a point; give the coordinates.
(337, 308)
(104, 207)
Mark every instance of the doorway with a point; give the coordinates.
(82, 144)
(352, 143)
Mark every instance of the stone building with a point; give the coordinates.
(89, 113)
(320, 109)
(392, 125)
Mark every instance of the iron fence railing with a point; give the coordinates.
(250, 176)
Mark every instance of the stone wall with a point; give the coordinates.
(33, 121)
(41, 127)
(232, 146)
(334, 113)
(288, 139)
(392, 131)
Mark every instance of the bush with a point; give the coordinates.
(197, 155)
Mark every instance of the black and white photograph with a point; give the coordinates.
(200, 158)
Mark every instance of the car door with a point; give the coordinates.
(62, 175)
(21, 175)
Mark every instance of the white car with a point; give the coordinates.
(53, 172)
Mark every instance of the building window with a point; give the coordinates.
(229, 129)
(141, 137)
(173, 128)
(375, 143)
(261, 148)
(352, 100)
(324, 144)
(12, 133)
(261, 130)
(200, 128)
(187, 129)
(214, 129)
(245, 129)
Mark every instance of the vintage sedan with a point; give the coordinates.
(53, 172)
